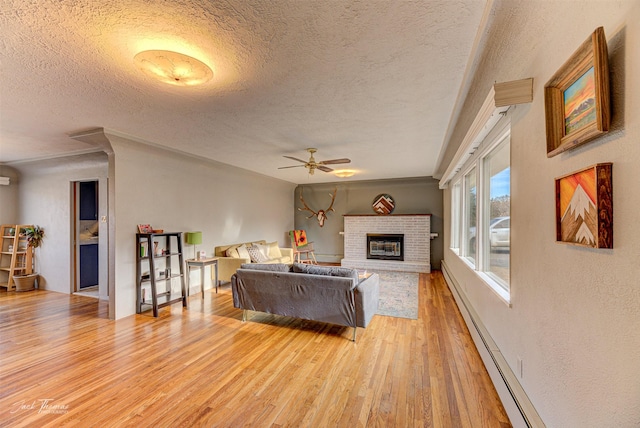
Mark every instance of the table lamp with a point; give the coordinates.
(194, 238)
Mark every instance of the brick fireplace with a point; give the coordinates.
(416, 231)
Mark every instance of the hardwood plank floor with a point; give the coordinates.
(204, 367)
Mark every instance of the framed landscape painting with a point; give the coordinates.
(584, 207)
(577, 104)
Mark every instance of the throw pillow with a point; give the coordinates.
(232, 251)
(264, 250)
(243, 253)
(255, 254)
(272, 267)
(274, 250)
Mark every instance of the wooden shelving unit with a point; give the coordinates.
(165, 264)
(16, 257)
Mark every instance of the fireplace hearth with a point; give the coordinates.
(385, 246)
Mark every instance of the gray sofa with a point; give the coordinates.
(328, 294)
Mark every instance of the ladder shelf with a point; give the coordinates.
(162, 266)
(16, 256)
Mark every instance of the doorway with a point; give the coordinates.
(86, 238)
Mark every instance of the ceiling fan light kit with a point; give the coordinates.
(344, 173)
(312, 165)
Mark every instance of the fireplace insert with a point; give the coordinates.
(385, 246)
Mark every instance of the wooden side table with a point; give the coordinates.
(202, 263)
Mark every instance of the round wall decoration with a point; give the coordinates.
(383, 204)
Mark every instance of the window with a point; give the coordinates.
(470, 205)
(455, 216)
(497, 226)
(481, 210)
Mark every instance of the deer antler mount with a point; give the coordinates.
(321, 215)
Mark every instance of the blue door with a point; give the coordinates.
(88, 265)
(88, 226)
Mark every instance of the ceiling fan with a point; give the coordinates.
(312, 165)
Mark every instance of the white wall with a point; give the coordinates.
(180, 193)
(9, 196)
(168, 190)
(575, 315)
(45, 199)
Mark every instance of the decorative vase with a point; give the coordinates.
(25, 282)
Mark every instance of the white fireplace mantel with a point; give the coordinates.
(417, 241)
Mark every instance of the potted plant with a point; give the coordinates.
(34, 235)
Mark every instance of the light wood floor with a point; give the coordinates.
(204, 367)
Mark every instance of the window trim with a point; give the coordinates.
(464, 238)
(500, 134)
(456, 191)
(502, 139)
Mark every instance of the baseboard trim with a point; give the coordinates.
(519, 408)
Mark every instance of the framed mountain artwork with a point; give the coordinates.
(576, 98)
(584, 207)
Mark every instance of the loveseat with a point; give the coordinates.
(230, 260)
(328, 294)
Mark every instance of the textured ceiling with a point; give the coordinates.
(374, 81)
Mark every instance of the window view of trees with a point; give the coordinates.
(501, 206)
(497, 245)
(481, 214)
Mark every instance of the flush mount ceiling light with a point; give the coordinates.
(344, 173)
(173, 67)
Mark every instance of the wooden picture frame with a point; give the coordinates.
(584, 207)
(145, 228)
(576, 98)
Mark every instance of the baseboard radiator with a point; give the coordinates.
(514, 399)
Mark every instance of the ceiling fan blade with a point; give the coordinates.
(295, 159)
(335, 161)
(294, 166)
(324, 168)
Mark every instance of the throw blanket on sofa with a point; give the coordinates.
(299, 237)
